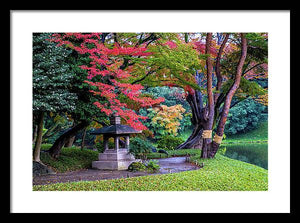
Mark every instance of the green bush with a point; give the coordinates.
(137, 166)
(173, 96)
(245, 116)
(169, 142)
(140, 146)
(152, 166)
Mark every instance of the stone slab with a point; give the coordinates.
(113, 159)
(113, 165)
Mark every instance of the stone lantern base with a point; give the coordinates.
(113, 159)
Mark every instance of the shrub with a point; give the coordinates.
(169, 142)
(165, 120)
(136, 166)
(152, 166)
(245, 116)
(140, 146)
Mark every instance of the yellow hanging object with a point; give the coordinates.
(206, 134)
(218, 139)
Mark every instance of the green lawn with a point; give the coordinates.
(218, 174)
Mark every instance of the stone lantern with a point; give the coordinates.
(115, 158)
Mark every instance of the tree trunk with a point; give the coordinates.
(83, 138)
(208, 121)
(35, 129)
(38, 142)
(195, 140)
(54, 151)
(221, 125)
(70, 142)
(70, 139)
(205, 118)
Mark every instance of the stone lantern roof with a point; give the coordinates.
(115, 128)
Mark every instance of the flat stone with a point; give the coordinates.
(112, 159)
(112, 165)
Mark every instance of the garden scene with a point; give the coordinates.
(150, 112)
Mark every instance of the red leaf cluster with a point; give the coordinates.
(111, 59)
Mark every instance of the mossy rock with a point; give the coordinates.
(137, 166)
(39, 169)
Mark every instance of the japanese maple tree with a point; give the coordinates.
(107, 75)
(216, 72)
(227, 74)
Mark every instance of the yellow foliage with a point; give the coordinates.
(262, 99)
(168, 117)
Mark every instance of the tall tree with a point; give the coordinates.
(108, 65)
(227, 85)
(51, 76)
(208, 85)
(223, 117)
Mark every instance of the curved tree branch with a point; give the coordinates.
(218, 70)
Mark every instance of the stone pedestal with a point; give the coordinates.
(114, 159)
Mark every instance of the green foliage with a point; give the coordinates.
(55, 124)
(251, 88)
(246, 88)
(45, 146)
(100, 145)
(165, 120)
(255, 135)
(245, 116)
(169, 142)
(85, 109)
(178, 62)
(152, 166)
(136, 166)
(140, 146)
(173, 96)
(58, 81)
(70, 159)
(51, 76)
(258, 46)
(222, 151)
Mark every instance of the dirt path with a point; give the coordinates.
(167, 165)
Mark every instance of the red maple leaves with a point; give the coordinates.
(106, 63)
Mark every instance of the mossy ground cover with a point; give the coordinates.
(72, 158)
(218, 174)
